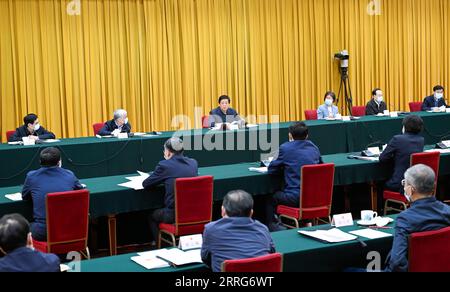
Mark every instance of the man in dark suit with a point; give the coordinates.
(425, 214)
(400, 148)
(223, 113)
(50, 178)
(291, 157)
(17, 245)
(376, 105)
(175, 165)
(119, 124)
(434, 101)
(236, 235)
(31, 129)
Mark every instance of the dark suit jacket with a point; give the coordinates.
(167, 171)
(39, 183)
(291, 157)
(110, 126)
(429, 102)
(234, 238)
(25, 259)
(399, 151)
(372, 108)
(423, 215)
(22, 131)
(217, 116)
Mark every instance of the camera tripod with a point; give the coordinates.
(345, 83)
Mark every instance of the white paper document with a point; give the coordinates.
(150, 262)
(14, 197)
(333, 235)
(258, 169)
(178, 257)
(251, 125)
(135, 182)
(370, 233)
(50, 141)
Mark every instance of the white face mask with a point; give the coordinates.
(60, 163)
(379, 99)
(403, 130)
(438, 95)
(37, 127)
(328, 102)
(125, 121)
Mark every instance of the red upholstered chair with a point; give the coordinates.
(67, 223)
(205, 122)
(358, 111)
(315, 195)
(429, 251)
(415, 106)
(193, 208)
(9, 134)
(311, 115)
(271, 263)
(430, 159)
(97, 127)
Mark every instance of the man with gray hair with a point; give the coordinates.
(425, 214)
(236, 235)
(119, 124)
(175, 165)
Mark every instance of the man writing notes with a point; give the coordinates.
(119, 124)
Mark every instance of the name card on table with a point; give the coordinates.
(190, 242)
(341, 220)
(122, 136)
(345, 118)
(393, 114)
(447, 110)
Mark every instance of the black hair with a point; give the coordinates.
(222, 97)
(413, 124)
(374, 91)
(174, 145)
(330, 93)
(14, 229)
(29, 119)
(438, 87)
(50, 157)
(299, 131)
(238, 204)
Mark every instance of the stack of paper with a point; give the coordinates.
(177, 257)
(333, 235)
(135, 182)
(14, 197)
(50, 141)
(258, 169)
(370, 233)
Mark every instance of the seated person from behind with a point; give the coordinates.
(328, 109)
(292, 155)
(425, 214)
(223, 113)
(50, 178)
(17, 245)
(376, 105)
(436, 100)
(31, 129)
(175, 165)
(236, 235)
(399, 150)
(119, 124)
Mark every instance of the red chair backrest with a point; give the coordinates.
(271, 263)
(311, 115)
(97, 127)
(358, 111)
(415, 106)
(317, 190)
(429, 251)
(193, 200)
(67, 220)
(9, 134)
(430, 159)
(205, 122)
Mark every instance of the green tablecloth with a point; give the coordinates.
(93, 157)
(300, 254)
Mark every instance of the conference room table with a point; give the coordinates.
(107, 198)
(300, 254)
(91, 157)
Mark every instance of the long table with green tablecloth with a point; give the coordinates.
(108, 198)
(300, 254)
(93, 157)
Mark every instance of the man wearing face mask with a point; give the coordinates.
(31, 129)
(292, 155)
(328, 110)
(376, 105)
(175, 165)
(434, 101)
(399, 150)
(424, 214)
(50, 178)
(119, 124)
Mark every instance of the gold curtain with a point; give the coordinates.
(162, 58)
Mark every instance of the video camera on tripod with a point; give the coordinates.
(343, 57)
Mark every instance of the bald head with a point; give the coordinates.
(238, 204)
